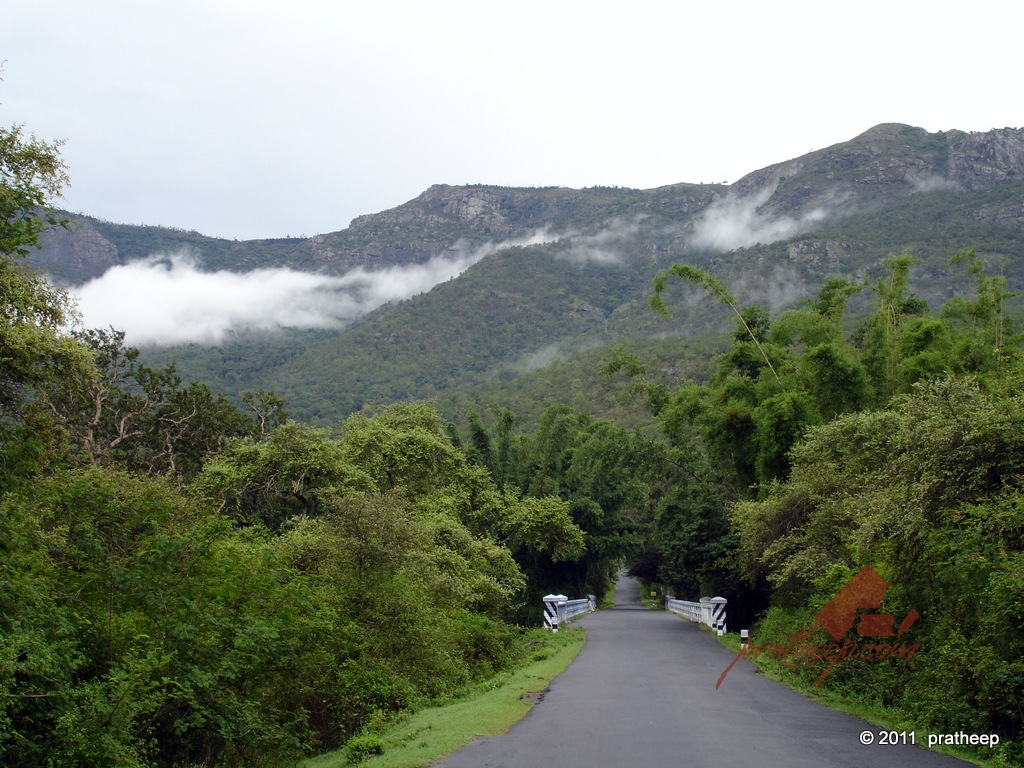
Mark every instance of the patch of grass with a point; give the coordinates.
(651, 595)
(431, 734)
(607, 600)
(886, 718)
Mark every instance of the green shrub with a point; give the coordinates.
(361, 747)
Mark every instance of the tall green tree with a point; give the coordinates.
(928, 492)
(880, 336)
(126, 413)
(32, 174)
(603, 473)
(984, 330)
(718, 290)
(35, 350)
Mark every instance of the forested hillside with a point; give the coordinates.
(764, 390)
(187, 583)
(775, 235)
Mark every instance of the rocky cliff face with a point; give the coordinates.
(74, 255)
(979, 160)
(445, 218)
(885, 163)
(443, 205)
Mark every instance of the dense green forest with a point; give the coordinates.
(774, 236)
(525, 306)
(898, 446)
(188, 580)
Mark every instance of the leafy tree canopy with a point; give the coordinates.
(31, 175)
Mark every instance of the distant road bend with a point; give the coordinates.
(642, 693)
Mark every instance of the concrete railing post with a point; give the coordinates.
(705, 611)
(710, 611)
(718, 614)
(553, 609)
(559, 609)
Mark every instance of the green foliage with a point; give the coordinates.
(120, 411)
(798, 440)
(709, 283)
(35, 350)
(269, 482)
(363, 746)
(172, 629)
(267, 408)
(141, 627)
(981, 330)
(928, 492)
(394, 622)
(489, 709)
(748, 419)
(780, 422)
(834, 380)
(536, 522)
(402, 446)
(879, 337)
(34, 353)
(582, 475)
(31, 174)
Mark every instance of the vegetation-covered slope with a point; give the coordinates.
(188, 582)
(837, 211)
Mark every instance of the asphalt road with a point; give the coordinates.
(642, 693)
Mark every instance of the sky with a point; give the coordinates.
(257, 118)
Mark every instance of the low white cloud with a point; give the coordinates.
(932, 184)
(553, 353)
(734, 222)
(540, 358)
(166, 300)
(778, 291)
(602, 247)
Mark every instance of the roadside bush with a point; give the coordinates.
(361, 747)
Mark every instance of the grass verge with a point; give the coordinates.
(886, 718)
(651, 595)
(607, 600)
(430, 734)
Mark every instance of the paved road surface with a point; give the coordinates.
(642, 693)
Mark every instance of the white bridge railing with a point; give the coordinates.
(709, 611)
(559, 609)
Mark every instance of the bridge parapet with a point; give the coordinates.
(709, 611)
(558, 609)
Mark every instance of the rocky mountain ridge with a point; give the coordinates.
(885, 163)
(773, 237)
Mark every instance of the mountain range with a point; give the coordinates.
(542, 282)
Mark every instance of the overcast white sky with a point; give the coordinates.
(265, 118)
